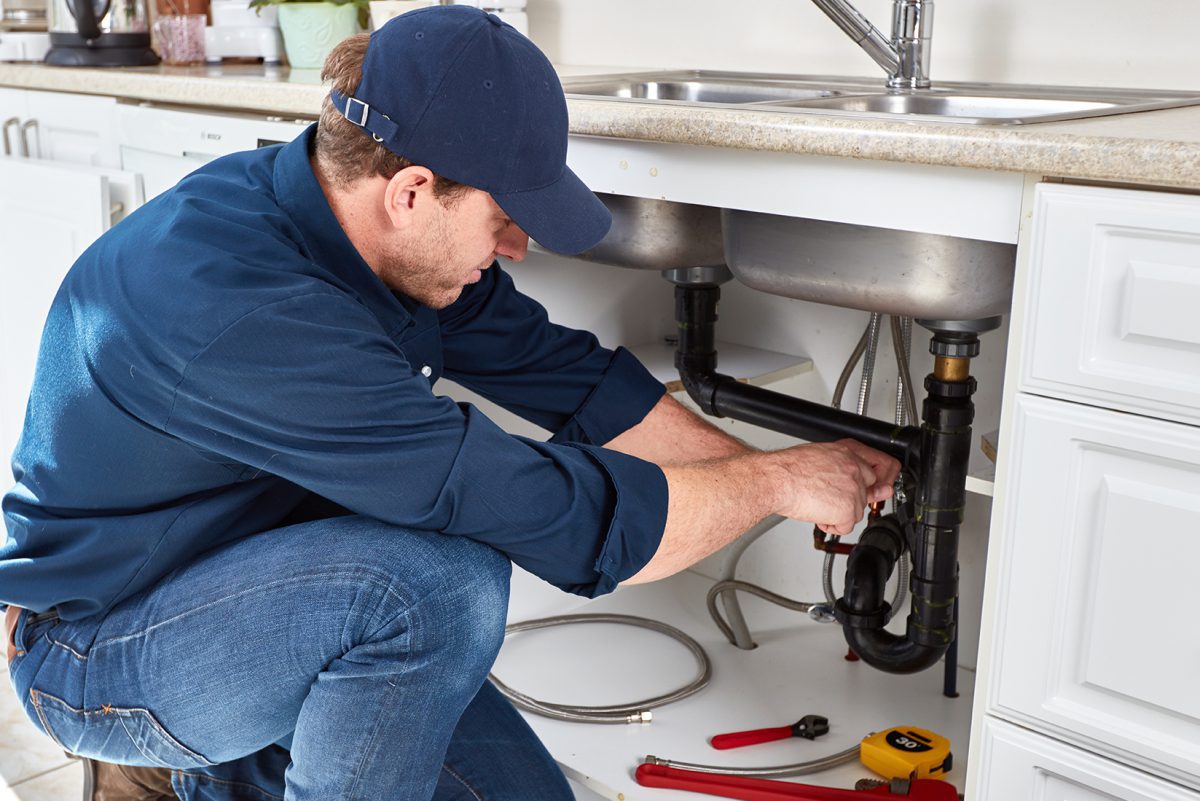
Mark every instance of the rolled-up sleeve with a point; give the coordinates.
(311, 390)
(500, 343)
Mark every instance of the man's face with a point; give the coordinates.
(457, 239)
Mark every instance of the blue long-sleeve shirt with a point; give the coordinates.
(224, 352)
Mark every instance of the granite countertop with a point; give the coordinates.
(1153, 148)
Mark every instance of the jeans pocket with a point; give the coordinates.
(129, 736)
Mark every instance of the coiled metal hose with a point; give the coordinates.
(636, 712)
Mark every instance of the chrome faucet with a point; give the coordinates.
(905, 56)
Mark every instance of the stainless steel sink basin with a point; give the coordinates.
(961, 103)
(926, 276)
(650, 234)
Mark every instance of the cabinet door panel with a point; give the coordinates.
(74, 129)
(1097, 642)
(13, 106)
(1115, 284)
(48, 215)
(1019, 764)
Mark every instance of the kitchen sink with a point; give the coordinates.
(896, 272)
(700, 87)
(961, 103)
(652, 234)
(927, 276)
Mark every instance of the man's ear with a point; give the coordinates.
(407, 196)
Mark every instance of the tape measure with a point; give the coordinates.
(907, 752)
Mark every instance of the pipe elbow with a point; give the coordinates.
(701, 387)
(863, 612)
(892, 653)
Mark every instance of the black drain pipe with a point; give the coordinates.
(932, 538)
(937, 453)
(723, 396)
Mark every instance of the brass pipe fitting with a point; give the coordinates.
(950, 368)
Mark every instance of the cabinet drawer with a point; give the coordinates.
(1018, 764)
(1113, 297)
(1098, 641)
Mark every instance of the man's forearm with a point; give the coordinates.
(711, 503)
(671, 434)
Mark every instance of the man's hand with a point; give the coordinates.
(710, 503)
(830, 484)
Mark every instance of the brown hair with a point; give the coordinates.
(347, 152)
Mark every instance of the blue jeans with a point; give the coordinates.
(333, 660)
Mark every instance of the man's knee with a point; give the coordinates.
(440, 593)
(470, 604)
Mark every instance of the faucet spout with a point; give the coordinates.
(905, 56)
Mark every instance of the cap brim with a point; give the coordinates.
(565, 216)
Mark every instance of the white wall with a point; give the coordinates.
(1070, 42)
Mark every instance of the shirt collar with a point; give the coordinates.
(300, 196)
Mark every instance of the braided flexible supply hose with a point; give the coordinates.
(636, 712)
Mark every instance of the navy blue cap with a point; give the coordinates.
(459, 91)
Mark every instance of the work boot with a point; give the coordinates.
(103, 781)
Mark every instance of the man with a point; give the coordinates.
(250, 550)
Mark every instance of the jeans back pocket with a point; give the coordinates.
(113, 734)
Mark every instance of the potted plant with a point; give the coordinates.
(311, 28)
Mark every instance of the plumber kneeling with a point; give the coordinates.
(250, 553)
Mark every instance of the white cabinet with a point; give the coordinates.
(1089, 636)
(75, 129)
(13, 113)
(1114, 291)
(164, 145)
(1093, 640)
(1020, 765)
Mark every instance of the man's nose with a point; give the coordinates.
(513, 243)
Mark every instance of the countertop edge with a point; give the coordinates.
(1031, 149)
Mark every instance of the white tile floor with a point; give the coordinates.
(32, 768)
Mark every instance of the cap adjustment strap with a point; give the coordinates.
(360, 113)
(365, 110)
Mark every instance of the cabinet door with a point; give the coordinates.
(1114, 288)
(48, 215)
(1097, 639)
(75, 129)
(12, 113)
(1019, 765)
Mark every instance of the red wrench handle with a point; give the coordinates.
(748, 789)
(739, 738)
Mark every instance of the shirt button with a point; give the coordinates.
(426, 370)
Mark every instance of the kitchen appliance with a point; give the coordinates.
(23, 45)
(238, 31)
(23, 34)
(22, 15)
(99, 33)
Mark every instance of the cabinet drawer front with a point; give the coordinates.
(1113, 297)
(1098, 641)
(1018, 764)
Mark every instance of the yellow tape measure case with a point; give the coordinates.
(907, 752)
